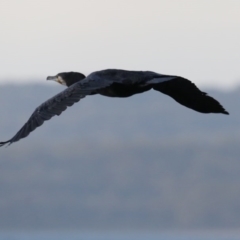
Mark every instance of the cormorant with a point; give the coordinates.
(116, 83)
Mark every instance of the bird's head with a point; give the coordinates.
(67, 78)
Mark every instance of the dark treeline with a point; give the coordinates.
(144, 162)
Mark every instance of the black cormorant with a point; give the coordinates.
(117, 83)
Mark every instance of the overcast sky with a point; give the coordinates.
(197, 39)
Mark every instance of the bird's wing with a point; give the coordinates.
(56, 105)
(186, 93)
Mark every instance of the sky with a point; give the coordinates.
(196, 39)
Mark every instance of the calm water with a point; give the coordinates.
(116, 236)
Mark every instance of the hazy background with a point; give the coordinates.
(198, 39)
(142, 163)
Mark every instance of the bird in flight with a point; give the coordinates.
(116, 83)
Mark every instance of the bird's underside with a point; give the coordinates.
(117, 83)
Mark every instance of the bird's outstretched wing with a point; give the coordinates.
(186, 93)
(56, 105)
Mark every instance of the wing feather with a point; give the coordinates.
(57, 104)
(186, 93)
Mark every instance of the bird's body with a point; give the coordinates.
(126, 83)
(117, 83)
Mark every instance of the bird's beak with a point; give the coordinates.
(53, 78)
(58, 79)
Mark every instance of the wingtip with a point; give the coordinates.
(225, 112)
(7, 143)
